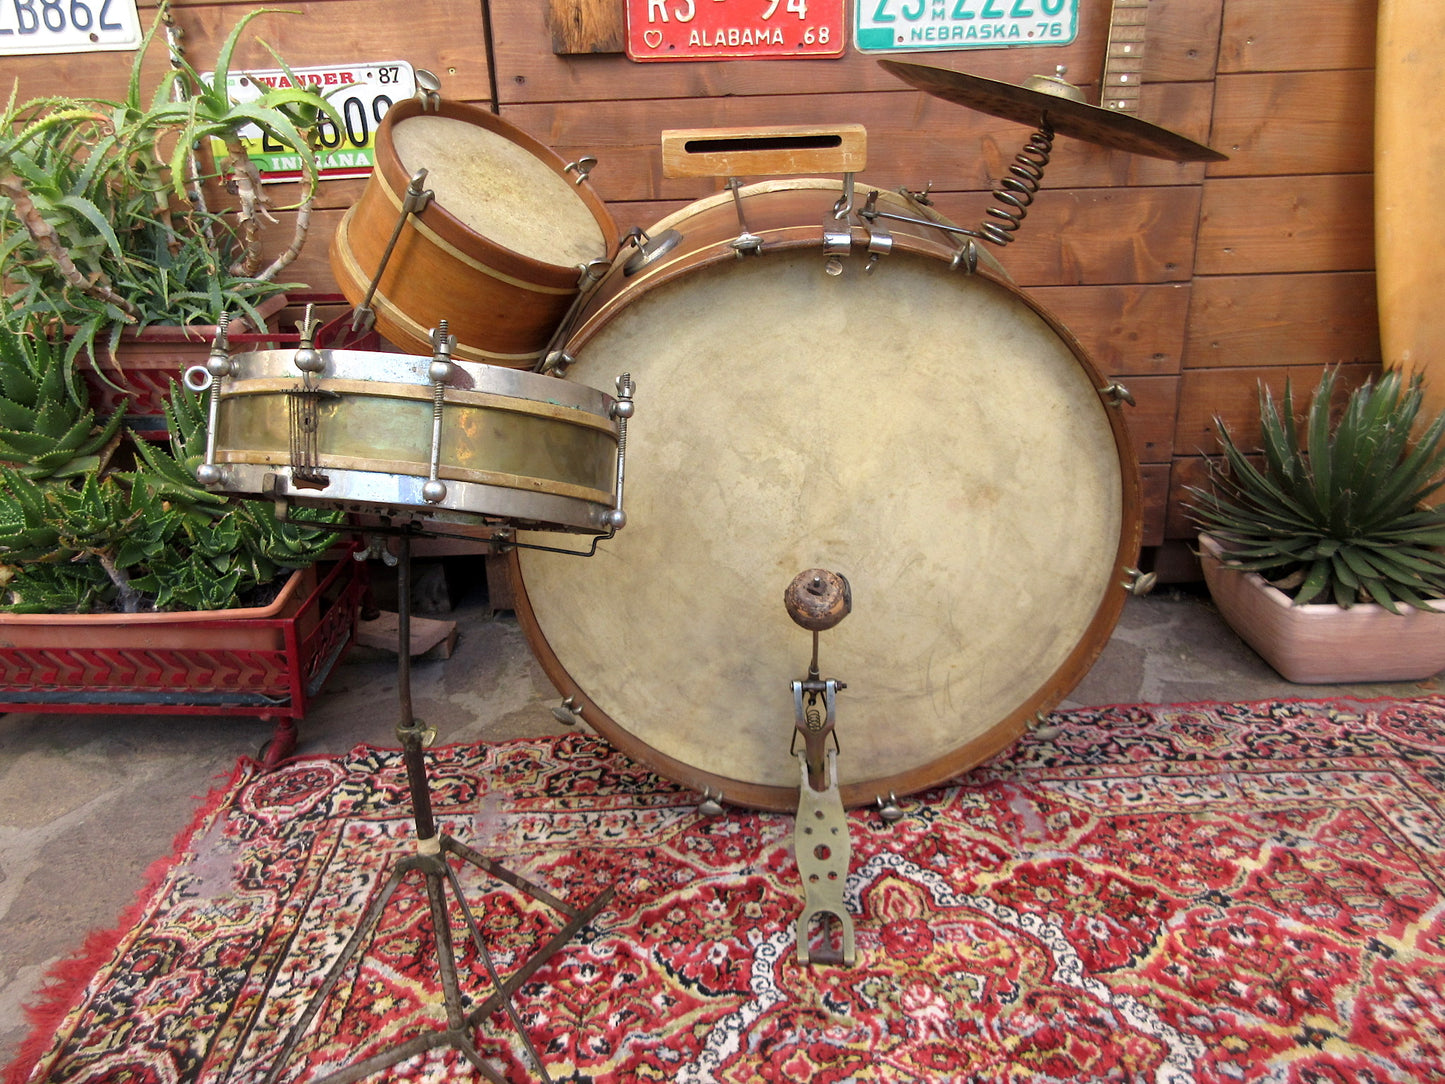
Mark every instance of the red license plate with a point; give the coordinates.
(733, 29)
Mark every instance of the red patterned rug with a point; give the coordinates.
(1209, 893)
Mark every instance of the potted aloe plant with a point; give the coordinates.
(104, 224)
(126, 586)
(1327, 557)
(90, 524)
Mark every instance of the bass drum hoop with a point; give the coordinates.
(932, 244)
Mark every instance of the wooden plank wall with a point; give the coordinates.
(1188, 283)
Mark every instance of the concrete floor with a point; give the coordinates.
(89, 802)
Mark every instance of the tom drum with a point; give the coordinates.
(497, 251)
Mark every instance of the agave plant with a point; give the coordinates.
(1344, 517)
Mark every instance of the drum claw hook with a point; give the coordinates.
(582, 166)
(428, 90)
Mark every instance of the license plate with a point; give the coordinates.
(68, 26)
(734, 29)
(909, 25)
(361, 93)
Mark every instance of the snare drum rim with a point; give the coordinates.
(940, 770)
(452, 230)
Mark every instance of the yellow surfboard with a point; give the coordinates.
(1410, 190)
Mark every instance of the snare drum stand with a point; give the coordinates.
(430, 860)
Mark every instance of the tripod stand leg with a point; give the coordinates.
(486, 956)
(368, 924)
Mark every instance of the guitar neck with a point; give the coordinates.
(1124, 56)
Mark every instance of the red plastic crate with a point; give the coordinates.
(270, 666)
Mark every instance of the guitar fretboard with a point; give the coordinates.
(1124, 56)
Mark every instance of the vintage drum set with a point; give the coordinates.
(853, 425)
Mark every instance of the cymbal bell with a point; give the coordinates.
(1060, 103)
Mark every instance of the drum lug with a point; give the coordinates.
(1117, 394)
(428, 90)
(889, 810)
(582, 167)
(1139, 583)
(711, 804)
(569, 712)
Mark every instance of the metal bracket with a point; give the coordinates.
(1117, 394)
(582, 167)
(428, 90)
(746, 241)
(1139, 583)
(568, 713)
(820, 838)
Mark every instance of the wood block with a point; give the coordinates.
(769, 151)
(1154, 495)
(1150, 420)
(587, 26)
(1233, 396)
(1124, 330)
(427, 634)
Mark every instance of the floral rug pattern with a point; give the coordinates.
(1212, 893)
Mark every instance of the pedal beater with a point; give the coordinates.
(817, 600)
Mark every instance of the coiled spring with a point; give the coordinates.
(1017, 190)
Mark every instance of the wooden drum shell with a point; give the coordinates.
(502, 305)
(935, 437)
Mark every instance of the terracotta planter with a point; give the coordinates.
(194, 629)
(264, 661)
(1322, 644)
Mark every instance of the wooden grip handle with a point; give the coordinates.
(764, 152)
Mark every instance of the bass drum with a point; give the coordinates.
(931, 435)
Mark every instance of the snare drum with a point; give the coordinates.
(933, 436)
(514, 446)
(497, 252)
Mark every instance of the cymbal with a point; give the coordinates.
(1062, 104)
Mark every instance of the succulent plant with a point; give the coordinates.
(46, 428)
(147, 538)
(1345, 516)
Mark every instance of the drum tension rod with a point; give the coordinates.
(218, 366)
(415, 202)
(434, 490)
(746, 241)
